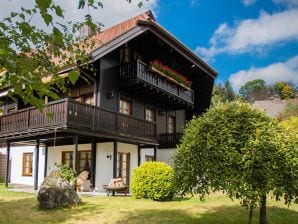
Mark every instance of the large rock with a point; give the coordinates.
(55, 192)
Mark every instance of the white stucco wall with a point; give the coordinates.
(165, 155)
(104, 165)
(146, 152)
(104, 159)
(55, 154)
(16, 167)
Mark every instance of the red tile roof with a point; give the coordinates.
(119, 29)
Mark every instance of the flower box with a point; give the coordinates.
(162, 74)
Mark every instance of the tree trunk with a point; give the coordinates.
(263, 215)
(250, 215)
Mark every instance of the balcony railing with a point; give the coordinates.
(169, 140)
(139, 70)
(70, 114)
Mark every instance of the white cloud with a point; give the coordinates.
(252, 35)
(248, 2)
(280, 71)
(113, 11)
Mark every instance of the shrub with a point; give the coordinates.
(66, 172)
(153, 180)
(1, 179)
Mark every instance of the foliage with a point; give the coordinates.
(171, 73)
(66, 172)
(223, 94)
(239, 150)
(28, 53)
(291, 110)
(255, 90)
(285, 90)
(1, 179)
(153, 180)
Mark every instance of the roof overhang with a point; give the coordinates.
(144, 26)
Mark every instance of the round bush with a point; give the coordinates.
(153, 180)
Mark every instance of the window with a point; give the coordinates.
(27, 164)
(171, 124)
(67, 158)
(123, 167)
(125, 107)
(89, 99)
(150, 115)
(149, 158)
(84, 161)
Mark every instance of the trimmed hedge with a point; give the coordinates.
(153, 180)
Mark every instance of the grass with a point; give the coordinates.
(22, 208)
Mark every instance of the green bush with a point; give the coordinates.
(66, 172)
(153, 180)
(1, 179)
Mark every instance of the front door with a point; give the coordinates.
(124, 167)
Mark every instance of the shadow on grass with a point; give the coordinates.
(27, 211)
(220, 215)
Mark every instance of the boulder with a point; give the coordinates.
(56, 192)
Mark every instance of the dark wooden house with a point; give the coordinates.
(147, 85)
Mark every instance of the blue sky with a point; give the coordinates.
(242, 39)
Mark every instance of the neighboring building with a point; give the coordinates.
(274, 107)
(127, 114)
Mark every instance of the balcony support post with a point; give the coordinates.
(75, 152)
(139, 155)
(45, 160)
(155, 151)
(93, 162)
(36, 165)
(115, 154)
(7, 164)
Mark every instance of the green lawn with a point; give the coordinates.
(217, 209)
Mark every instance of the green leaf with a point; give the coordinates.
(81, 4)
(58, 11)
(47, 18)
(140, 5)
(73, 76)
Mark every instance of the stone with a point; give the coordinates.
(56, 192)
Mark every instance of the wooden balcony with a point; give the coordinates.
(137, 78)
(169, 140)
(72, 116)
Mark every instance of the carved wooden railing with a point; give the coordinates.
(169, 140)
(67, 113)
(139, 70)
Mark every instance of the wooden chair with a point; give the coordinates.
(116, 185)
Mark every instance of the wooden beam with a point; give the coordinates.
(45, 160)
(7, 164)
(75, 152)
(115, 154)
(155, 152)
(36, 165)
(93, 162)
(139, 155)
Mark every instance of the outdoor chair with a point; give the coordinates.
(116, 185)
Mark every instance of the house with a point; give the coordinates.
(130, 112)
(274, 107)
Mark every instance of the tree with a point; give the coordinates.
(291, 110)
(223, 94)
(285, 90)
(28, 53)
(236, 149)
(255, 90)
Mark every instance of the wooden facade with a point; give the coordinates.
(124, 101)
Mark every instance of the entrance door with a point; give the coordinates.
(124, 167)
